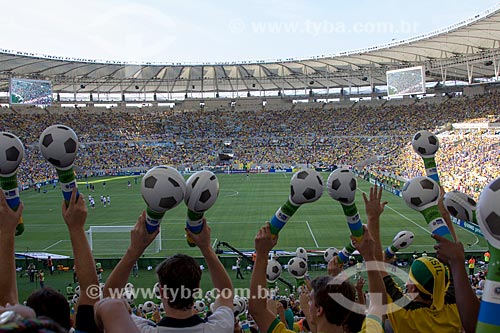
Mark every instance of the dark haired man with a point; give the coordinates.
(179, 277)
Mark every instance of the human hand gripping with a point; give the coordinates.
(334, 268)
(202, 240)
(264, 240)
(8, 217)
(366, 246)
(75, 212)
(140, 239)
(449, 252)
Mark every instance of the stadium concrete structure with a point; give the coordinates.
(467, 52)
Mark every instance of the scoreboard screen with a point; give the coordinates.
(31, 92)
(406, 81)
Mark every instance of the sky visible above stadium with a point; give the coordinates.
(225, 30)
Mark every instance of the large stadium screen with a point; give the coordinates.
(406, 81)
(33, 92)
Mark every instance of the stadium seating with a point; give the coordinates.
(124, 138)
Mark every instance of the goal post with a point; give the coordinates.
(115, 240)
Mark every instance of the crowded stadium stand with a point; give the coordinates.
(323, 112)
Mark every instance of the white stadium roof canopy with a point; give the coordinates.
(466, 51)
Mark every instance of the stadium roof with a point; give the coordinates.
(466, 51)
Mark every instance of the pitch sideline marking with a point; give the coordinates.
(470, 232)
(59, 241)
(232, 194)
(407, 218)
(427, 230)
(404, 216)
(312, 235)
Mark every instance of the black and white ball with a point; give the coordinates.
(148, 307)
(342, 185)
(245, 301)
(199, 306)
(306, 186)
(460, 205)
(161, 308)
(157, 290)
(129, 286)
(420, 192)
(301, 253)
(77, 290)
(11, 153)
(297, 267)
(202, 190)
(273, 270)
(330, 253)
(403, 239)
(163, 188)
(489, 212)
(239, 306)
(129, 296)
(425, 143)
(59, 146)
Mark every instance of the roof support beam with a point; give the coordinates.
(470, 72)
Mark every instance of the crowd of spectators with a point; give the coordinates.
(124, 139)
(466, 162)
(289, 137)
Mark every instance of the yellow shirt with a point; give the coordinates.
(418, 318)
(371, 324)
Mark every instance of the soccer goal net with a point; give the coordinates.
(114, 240)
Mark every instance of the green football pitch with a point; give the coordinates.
(244, 204)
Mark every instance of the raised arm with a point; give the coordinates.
(8, 223)
(376, 287)
(446, 215)
(359, 290)
(264, 242)
(218, 273)
(452, 253)
(374, 208)
(75, 215)
(281, 312)
(304, 306)
(113, 316)
(140, 239)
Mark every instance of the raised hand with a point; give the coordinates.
(202, 240)
(374, 207)
(140, 238)
(264, 240)
(8, 217)
(75, 212)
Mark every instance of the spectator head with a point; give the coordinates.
(179, 277)
(324, 307)
(52, 304)
(429, 277)
(284, 303)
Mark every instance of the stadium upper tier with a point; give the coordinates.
(466, 51)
